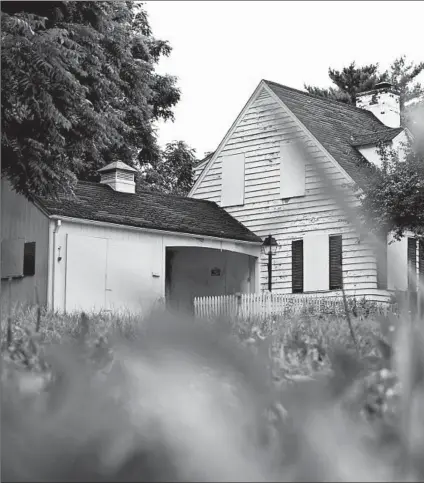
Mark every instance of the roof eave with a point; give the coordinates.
(88, 221)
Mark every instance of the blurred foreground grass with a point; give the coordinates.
(116, 398)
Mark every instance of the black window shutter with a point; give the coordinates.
(297, 266)
(412, 264)
(336, 272)
(421, 275)
(29, 259)
(381, 259)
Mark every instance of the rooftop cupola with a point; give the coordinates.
(383, 101)
(119, 176)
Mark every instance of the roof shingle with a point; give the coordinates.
(337, 126)
(144, 209)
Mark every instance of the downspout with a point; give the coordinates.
(55, 232)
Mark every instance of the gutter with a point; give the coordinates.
(149, 230)
(58, 224)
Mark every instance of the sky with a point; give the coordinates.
(222, 50)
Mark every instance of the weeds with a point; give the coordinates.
(173, 399)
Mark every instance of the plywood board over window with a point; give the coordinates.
(292, 170)
(316, 262)
(12, 258)
(232, 187)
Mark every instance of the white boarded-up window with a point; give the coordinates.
(292, 170)
(232, 189)
(316, 262)
(12, 258)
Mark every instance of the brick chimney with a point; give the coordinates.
(119, 176)
(383, 101)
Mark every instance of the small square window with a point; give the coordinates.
(29, 259)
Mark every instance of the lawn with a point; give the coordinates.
(313, 396)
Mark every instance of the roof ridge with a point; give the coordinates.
(324, 99)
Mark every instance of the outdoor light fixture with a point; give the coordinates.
(269, 247)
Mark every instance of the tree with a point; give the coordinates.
(393, 197)
(352, 80)
(79, 89)
(349, 82)
(173, 172)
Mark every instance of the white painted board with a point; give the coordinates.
(12, 258)
(232, 188)
(316, 262)
(292, 170)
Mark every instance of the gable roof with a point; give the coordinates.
(144, 209)
(337, 126)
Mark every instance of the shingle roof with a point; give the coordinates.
(336, 126)
(99, 202)
(374, 138)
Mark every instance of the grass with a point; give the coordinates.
(83, 393)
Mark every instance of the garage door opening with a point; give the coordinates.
(200, 272)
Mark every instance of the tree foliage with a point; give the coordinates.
(349, 82)
(173, 172)
(393, 197)
(354, 79)
(79, 89)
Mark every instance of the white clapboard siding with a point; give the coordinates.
(258, 135)
(265, 305)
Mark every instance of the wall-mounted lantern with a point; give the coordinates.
(269, 247)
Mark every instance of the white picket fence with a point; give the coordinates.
(263, 305)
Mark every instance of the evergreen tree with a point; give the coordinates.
(352, 80)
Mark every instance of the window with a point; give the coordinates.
(336, 260)
(381, 260)
(421, 263)
(232, 185)
(297, 266)
(29, 259)
(292, 171)
(412, 264)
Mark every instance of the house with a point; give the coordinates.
(111, 247)
(262, 180)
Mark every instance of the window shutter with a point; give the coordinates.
(381, 259)
(297, 266)
(421, 275)
(412, 264)
(29, 259)
(336, 260)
